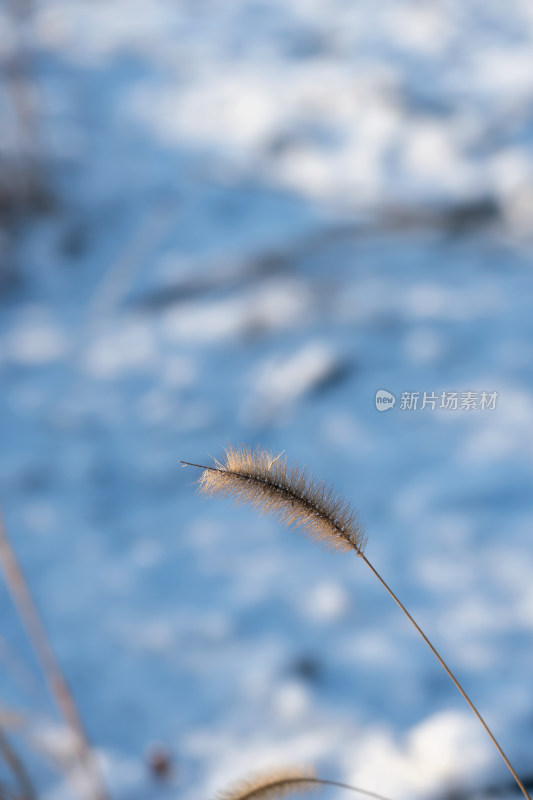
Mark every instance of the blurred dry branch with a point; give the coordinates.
(27, 792)
(17, 670)
(22, 186)
(57, 684)
(42, 735)
(135, 253)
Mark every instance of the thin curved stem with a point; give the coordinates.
(351, 788)
(450, 673)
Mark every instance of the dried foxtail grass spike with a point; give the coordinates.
(274, 783)
(266, 482)
(282, 782)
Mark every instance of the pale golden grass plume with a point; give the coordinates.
(281, 782)
(266, 483)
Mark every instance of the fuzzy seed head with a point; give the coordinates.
(266, 482)
(274, 783)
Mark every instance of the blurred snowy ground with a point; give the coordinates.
(261, 214)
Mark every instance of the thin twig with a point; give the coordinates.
(19, 673)
(137, 251)
(24, 93)
(17, 768)
(57, 684)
